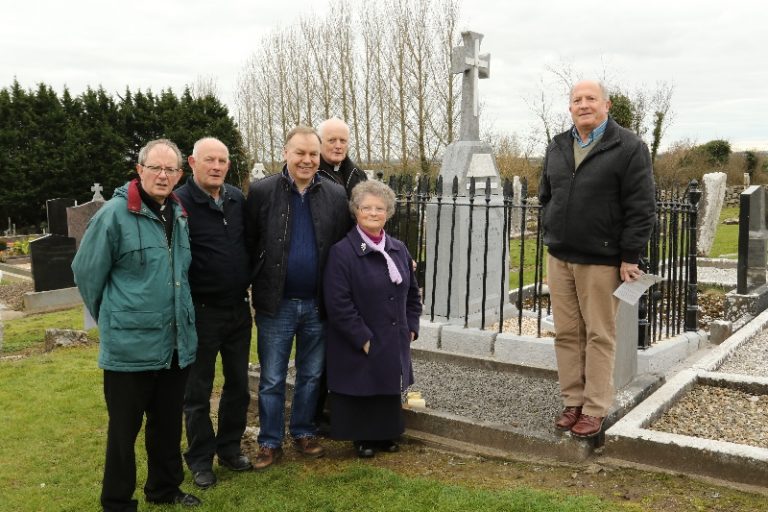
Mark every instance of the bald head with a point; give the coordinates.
(334, 138)
(210, 163)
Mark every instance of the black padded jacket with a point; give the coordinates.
(603, 211)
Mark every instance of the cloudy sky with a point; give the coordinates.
(714, 53)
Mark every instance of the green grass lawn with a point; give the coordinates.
(52, 434)
(53, 428)
(727, 236)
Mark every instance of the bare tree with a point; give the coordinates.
(204, 85)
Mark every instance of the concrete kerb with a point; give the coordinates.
(52, 300)
(662, 356)
(630, 438)
(525, 350)
(715, 359)
(445, 429)
(14, 271)
(470, 341)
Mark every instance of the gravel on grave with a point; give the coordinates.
(12, 293)
(751, 358)
(720, 414)
(525, 403)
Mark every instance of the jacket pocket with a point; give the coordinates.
(137, 336)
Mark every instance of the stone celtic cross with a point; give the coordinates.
(467, 60)
(96, 189)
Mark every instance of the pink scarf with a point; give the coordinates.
(394, 274)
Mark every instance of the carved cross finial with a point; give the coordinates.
(468, 60)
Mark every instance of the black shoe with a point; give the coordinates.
(181, 498)
(364, 450)
(388, 446)
(204, 479)
(238, 462)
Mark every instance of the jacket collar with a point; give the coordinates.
(287, 177)
(362, 248)
(200, 195)
(134, 198)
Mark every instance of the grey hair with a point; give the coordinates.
(603, 89)
(321, 127)
(195, 148)
(374, 188)
(144, 152)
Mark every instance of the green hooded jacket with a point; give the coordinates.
(136, 286)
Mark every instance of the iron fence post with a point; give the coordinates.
(692, 308)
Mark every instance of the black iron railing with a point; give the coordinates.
(666, 310)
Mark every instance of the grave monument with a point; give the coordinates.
(710, 206)
(79, 215)
(52, 254)
(456, 264)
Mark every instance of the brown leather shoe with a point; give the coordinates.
(587, 426)
(309, 446)
(266, 457)
(568, 418)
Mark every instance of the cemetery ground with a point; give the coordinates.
(53, 427)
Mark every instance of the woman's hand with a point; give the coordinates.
(413, 336)
(367, 346)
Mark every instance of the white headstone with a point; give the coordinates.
(710, 206)
(258, 172)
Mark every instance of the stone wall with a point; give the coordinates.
(732, 194)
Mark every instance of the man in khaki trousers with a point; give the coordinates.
(597, 192)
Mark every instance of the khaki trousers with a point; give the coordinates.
(584, 311)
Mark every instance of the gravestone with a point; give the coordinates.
(77, 221)
(456, 252)
(57, 215)
(258, 172)
(51, 257)
(710, 206)
(517, 201)
(751, 294)
(79, 216)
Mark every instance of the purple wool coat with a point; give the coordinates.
(364, 304)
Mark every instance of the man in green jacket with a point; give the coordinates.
(131, 270)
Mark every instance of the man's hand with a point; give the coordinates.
(367, 346)
(629, 272)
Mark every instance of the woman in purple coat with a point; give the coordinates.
(373, 305)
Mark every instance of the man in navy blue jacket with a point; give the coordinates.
(219, 278)
(294, 217)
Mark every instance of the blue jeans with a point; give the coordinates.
(300, 318)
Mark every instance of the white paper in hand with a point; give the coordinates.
(630, 292)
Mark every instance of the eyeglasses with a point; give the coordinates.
(156, 169)
(371, 209)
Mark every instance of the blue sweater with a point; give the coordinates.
(301, 272)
